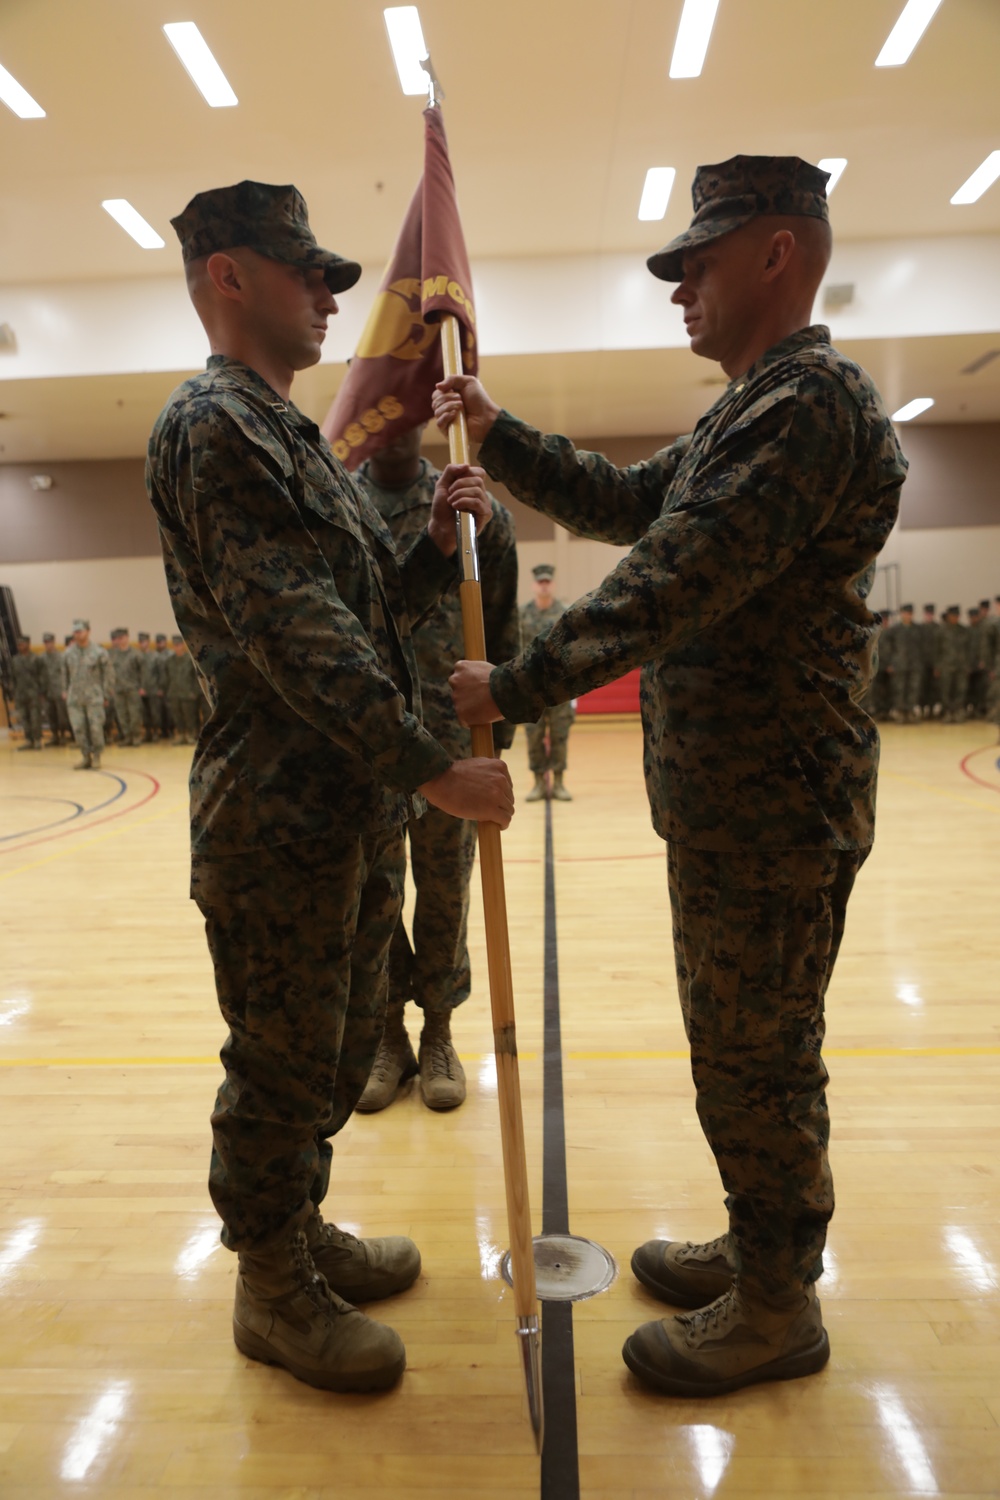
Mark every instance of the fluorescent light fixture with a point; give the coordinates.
(205, 73)
(656, 192)
(406, 38)
(913, 409)
(693, 33)
(18, 99)
(835, 166)
(133, 223)
(982, 178)
(914, 19)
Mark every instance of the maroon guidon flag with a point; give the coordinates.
(389, 381)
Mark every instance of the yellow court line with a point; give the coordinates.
(940, 791)
(673, 1055)
(101, 838)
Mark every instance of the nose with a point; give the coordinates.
(681, 294)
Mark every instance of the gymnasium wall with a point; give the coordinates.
(88, 545)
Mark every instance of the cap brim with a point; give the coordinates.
(339, 274)
(668, 263)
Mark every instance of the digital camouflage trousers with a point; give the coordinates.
(756, 937)
(555, 723)
(433, 970)
(299, 936)
(86, 717)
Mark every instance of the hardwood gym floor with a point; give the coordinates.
(118, 1378)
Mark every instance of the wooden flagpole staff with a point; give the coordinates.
(522, 1258)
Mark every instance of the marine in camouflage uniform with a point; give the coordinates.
(954, 667)
(549, 738)
(885, 666)
(28, 678)
(161, 657)
(128, 664)
(147, 690)
(90, 684)
(753, 543)
(980, 647)
(183, 691)
(930, 662)
(993, 702)
(433, 971)
(907, 666)
(286, 587)
(54, 678)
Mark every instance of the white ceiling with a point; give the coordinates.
(555, 108)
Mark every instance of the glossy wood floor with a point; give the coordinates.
(118, 1378)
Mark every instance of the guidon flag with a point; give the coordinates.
(388, 386)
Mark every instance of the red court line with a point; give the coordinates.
(963, 765)
(82, 825)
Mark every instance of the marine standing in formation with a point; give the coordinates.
(29, 683)
(287, 588)
(90, 683)
(434, 970)
(182, 691)
(128, 682)
(549, 738)
(54, 676)
(753, 546)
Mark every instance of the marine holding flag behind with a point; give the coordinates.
(744, 599)
(376, 423)
(298, 613)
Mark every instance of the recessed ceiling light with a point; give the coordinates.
(656, 192)
(205, 73)
(835, 166)
(18, 99)
(983, 177)
(406, 38)
(913, 409)
(693, 33)
(914, 19)
(133, 223)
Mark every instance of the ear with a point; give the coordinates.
(778, 254)
(226, 275)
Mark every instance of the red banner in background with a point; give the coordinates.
(389, 381)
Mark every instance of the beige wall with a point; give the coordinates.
(107, 591)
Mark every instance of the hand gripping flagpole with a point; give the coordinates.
(515, 1168)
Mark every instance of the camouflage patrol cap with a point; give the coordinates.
(81, 624)
(143, 635)
(544, 570)
(271, 220)
(731, 193)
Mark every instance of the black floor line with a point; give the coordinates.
(560, 1457)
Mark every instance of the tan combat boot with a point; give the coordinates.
(442, 1077)
(539, 792)
(285, 1314)
(559, 792)
(361, 1270)
(84, 764)
(685, 1274)
(95, 761)
(394, 1064)
(739, 1339)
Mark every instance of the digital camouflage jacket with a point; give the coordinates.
(438, 643)
(286, 587)
(743, 598)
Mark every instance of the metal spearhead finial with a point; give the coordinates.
(435, 93)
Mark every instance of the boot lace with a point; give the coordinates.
(709, 1320)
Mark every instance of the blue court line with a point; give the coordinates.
(81, 811)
